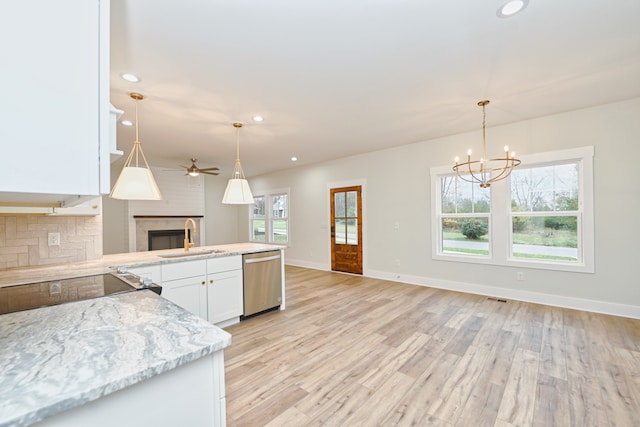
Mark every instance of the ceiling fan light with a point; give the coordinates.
(136, 183)
(193, 173)
(238, 193)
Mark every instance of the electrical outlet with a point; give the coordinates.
(520, 276)
(55, 288)
(54, 239)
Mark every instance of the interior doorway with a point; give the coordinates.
(346, 229)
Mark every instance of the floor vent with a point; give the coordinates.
(496, 299)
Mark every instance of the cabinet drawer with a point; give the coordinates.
(226, 263)
(180, 270)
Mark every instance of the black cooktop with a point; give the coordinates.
(53, 292)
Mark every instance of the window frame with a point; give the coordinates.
(269, 218)
(501, 237)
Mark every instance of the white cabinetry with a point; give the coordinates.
(224, 293)
(184, 283)
(190, 395)
(54, 83)
(210, 288)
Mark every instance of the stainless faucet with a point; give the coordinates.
(187, 239)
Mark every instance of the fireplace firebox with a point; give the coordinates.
(166, 239)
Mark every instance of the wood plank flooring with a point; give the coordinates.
(352, 351)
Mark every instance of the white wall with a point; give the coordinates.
(221, 220)
(398, 190)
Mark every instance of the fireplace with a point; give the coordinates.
(168, 229)
(166, 239)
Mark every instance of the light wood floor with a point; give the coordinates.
(352, 351)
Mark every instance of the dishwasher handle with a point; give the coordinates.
(264, 259)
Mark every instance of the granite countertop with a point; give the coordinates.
(18, 276)
(70, 354)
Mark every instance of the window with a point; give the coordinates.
(465, 215)
(270, 218)
(545, 212)
(540, 217)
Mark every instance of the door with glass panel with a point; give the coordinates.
(346, 229)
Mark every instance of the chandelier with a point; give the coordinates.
(485, 171)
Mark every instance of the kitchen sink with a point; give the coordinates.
(196, 252)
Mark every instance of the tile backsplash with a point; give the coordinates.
(24, 239)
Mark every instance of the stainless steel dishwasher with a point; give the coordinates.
(262, 281)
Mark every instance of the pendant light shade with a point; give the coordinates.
(136, 180)
(238, 191)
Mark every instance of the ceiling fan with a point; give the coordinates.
(194, 170)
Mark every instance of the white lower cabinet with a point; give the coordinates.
(190, 395)
(224, 293)
(184, 283)
(211, 289)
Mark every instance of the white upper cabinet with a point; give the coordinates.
(54, 107)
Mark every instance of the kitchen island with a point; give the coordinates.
(136, 344)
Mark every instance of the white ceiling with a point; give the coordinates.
(334, 78)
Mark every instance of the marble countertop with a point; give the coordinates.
(74, 353)
(108, 263)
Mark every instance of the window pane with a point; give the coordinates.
(339, 205)
(543, 189)
(341, 231)
(280, 232)
(352, 204)
(552, 238)
(280, 208)
(258, 230)
(352, 231)
(458, 196)
(468, 235)
(258, 207)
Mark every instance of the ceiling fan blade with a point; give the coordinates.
(208, 169)
(209, 173)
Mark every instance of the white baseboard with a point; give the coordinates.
(615, 309)
(306, 264)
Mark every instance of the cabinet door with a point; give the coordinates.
(224, 295)
(189, 293)
(51, 80)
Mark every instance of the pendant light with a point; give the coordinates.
(485, 171)
(136, 181)
(238, 191)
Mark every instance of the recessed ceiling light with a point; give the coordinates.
(258, 118)
(294, 159)
(126, 123)
(130, 77)
(511, 8)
